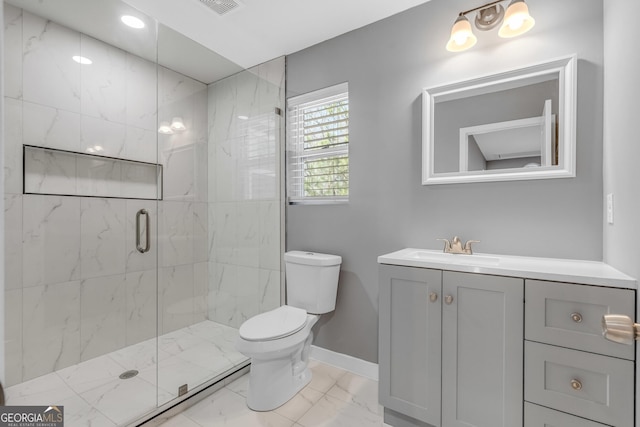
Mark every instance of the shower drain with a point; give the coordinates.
(128, 374)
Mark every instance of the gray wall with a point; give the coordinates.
(387, 64)
(621, 148)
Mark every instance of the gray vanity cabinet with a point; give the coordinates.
(410, 341)
(450, 348)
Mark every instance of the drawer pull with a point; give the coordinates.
(433, 297)
(448, 299)
(576, 385)
(576, 317)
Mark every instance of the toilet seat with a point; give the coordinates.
(274, 324)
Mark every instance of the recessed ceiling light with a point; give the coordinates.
(82, 60)
(132, 21)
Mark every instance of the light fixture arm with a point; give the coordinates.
(484, 6)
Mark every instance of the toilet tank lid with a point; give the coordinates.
(311, 258)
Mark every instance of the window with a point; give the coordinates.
(318, 146)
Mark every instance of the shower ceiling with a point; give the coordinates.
(101, 19)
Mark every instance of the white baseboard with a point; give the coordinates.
(346, 362)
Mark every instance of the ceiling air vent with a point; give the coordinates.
(221, 7)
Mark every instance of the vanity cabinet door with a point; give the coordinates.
(482, 336)
(409, 345)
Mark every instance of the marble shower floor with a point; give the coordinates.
(334, 397)
(93, 395)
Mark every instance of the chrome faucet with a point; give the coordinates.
(454, 246)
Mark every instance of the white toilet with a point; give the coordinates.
(278, 341)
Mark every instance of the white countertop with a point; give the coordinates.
(557, 270)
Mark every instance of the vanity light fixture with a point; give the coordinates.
(177, 124)
(132, 21)
(515, 21)
(165, 128)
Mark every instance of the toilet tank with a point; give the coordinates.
(312, 280)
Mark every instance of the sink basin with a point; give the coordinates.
(424, 255)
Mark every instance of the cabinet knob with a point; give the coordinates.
(433, 297)
(448, 299)
(576, 384)
(576, 317)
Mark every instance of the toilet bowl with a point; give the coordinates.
(279, 356)
(279, 340)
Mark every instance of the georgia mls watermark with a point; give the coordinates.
(31, 416)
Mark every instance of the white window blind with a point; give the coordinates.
(318, 146)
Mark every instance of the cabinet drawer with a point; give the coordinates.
(598, 387)
(539, 416)
(570, 315)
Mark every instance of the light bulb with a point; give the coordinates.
(516, 22)
(462, 37)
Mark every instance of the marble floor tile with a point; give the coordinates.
(295, 408)
(333, 412)
(358, 390)
(228, 409)
(180, 421)
(77, 413)
(45, 390)
(91, 374)
(123, 400)
(240, 386)
(324, 376)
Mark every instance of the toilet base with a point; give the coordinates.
(272, 386)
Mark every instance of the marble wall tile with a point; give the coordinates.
(270, 238)
(103, 308)
(176, 297)
(226, 168)
(12, 241)
(140, 181)
(12, 61)
(51, 328)
(103, 137)
(174, 87)
(50, 127)
(13, 337)
(103, 83)
(50, 172)
(269, 290)
(141, 144)
(226, 235)
(222, 109)
(142, 306)
(12, 146)
(176, 233)
(51, 239)
(179, 172)
(102, 237)
(247, 294)
(200, 232)
(142, 95)
(223, 279)
(136, 261)
(50, 76)
(248, 231)
(200, 291)
(98, 177)
(247, 92)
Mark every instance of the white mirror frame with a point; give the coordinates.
(565, 67)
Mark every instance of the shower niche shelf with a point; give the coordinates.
(50, 171)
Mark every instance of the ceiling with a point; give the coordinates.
(260, 30)
(196, 41)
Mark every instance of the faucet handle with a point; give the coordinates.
(447, 245)
(467, 246)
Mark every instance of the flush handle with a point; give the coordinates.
(433, 297)
(448, 299)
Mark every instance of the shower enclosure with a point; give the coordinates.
(143, 209)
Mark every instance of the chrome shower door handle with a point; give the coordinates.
(147, 246)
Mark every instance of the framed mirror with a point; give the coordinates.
(514, 125)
